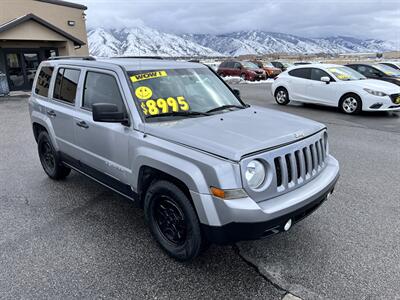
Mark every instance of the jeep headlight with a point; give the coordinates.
(255, 174)
(375, 93)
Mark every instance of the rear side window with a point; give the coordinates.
(101, 88)
(43, 81)
(316, 74)
(66, 85)
(304, 73)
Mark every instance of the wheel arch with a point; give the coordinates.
(147, 175)
(42, 122)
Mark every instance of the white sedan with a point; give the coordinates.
(335, 85)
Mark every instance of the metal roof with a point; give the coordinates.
(130, 64)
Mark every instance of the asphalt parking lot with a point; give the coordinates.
(76, 239)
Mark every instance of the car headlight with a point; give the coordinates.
(255, 174)
(375, 93)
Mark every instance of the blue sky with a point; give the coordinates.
(310, 18)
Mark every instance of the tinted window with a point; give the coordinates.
(101, 88)
(316, 74)
(43, 81)
(301, 73)
(367, 71)
(66, 85)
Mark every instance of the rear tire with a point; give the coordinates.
(350, 104)
(282, 96)
(173, 221)
(49, 159)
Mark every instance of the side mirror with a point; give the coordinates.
(106, 112)
(325, 79)
(237, 93)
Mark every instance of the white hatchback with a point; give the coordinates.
(335, 85)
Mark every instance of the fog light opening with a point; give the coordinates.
(288, 225)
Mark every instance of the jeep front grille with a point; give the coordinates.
(300, 165)
(289, 166)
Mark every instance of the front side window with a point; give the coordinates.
(196, 90)
(66, 85)
(101, 88)
(43, 81)
(316, 74)
(304, 73)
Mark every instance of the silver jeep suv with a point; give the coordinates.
(176, 139)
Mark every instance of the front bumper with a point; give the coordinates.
(376, 103)
(244, 219)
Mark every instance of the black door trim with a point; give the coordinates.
(104, 179)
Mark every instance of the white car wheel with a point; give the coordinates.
(281, 96)
(351, 104)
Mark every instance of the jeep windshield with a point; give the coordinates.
(181, 93)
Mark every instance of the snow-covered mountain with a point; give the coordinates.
(142, 40)
(261, 42)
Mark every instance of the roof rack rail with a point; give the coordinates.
(72, 57)
(144, 57)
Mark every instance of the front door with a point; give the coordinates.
(15, 72)
(102, 146)
(21, 66)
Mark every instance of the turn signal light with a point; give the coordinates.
(228, 194)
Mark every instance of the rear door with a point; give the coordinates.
(102, 146)
(237, 69)
(61, 108)
(297, 84)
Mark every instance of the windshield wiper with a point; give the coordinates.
(179, 114)
(225, 107)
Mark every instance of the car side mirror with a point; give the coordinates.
(236, 92)
(106, 112)
(325, 79)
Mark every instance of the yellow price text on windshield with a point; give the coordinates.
(148, 75)
(162, 106)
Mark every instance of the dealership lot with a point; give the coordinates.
(77, 239)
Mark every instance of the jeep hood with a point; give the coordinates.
(234, 134)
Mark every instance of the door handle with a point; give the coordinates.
(82, 124)
(51, 113)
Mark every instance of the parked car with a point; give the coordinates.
(175, 139)
(378, 71)
(269, 69)
(299, 63)
(335, 85)
(281, 65)
(244, 69)
(392, 64)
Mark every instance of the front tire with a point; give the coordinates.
(350, 104)
(282, 96)
(173, 221)
(49, 159)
